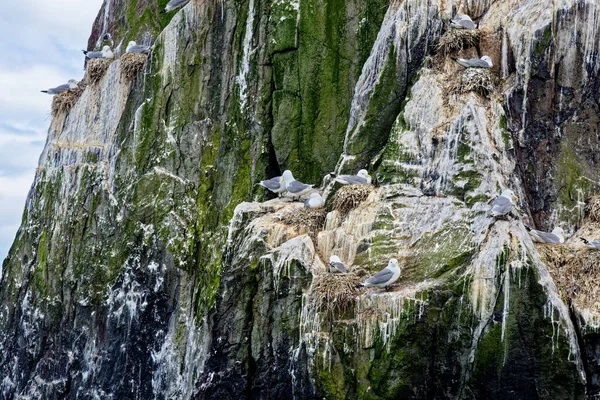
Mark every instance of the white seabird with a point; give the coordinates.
(483, 62)
(594, 244)
(173, 4)
(105, 53)
(386, 276)
(361, 178)
(314, 201)
(71, 84)
(294, 187)
(135, 48)
(274, 185)
(503, 204)
(462, 22)
(336, 265)
(555, 237)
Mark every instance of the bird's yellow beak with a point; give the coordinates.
(516, 197)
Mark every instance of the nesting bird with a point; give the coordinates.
(294, 187)
(314, 201)
(105, 53)
(483, 62)
(135, 48)
(336, 265)
(503, 204)
(361, 178)
(386, 276)
(173, 4)
(71, 84)
(594, 244)
(555, 237)
(462, 22)
(275, 185)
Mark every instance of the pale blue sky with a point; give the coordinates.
(41, 42)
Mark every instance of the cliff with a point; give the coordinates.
(149, 265)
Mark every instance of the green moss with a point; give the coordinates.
(542, 44)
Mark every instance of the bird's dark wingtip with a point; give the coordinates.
(44, 91)
(584, 240)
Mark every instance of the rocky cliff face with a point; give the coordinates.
(143, 268)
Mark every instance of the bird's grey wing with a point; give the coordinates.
(297, 187)
(474, 62)
(271, 184)
(547, 237)
(465, 24)
(338, 266)
(94, 54)
(138, 49)
(176, 3)
(381, 277)
(353, 179)
(596, 243)
(307, 203)
(501, 206)
(61, 88)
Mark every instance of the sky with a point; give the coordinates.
(40, 43)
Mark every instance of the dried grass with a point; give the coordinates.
(480, 80)
(63, 102)
(334, 293)
(96, 68)
(306, 220)
(456, 40)
(576, 272)
(592, 209)
(132, 64)
(350, 197)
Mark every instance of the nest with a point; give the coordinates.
(96, 68)
(63, 102)
(350, 196)
(576, 272)
(479, 80)
(306, 220)
(132, 64)
(456, 40)
(592, 209)
(334, 292)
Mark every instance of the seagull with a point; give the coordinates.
(294, 187)
(314, 201)
(105, 53)
(483, 62)
(336, 265)
(71, 84)
(173, 4)
(386, 276)
(462, 22)
(503, 204)
(594, 244)
(557, 236)
(133, 47)
(361, 178)
(274, 185)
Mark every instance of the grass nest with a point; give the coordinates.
(576, 272)
(132, 64)
(350, 196)
(306, 220)
(479, 80)
(592, 209)
(96, 68)
(456, 40)
(63, 102)
(334, 293)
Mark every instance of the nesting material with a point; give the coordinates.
(334, 293)
(132, 64)
(592, 209)
(96, 68)
(456, 40)
(576, 272)
(479, 80)
(63, 102)
(306, 220)
(350, 197)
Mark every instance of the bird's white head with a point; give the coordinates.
(488, 60)
(130, 45)
(333, 259)
(559, 232)
(287, 176)
(315, 195)
(106, 49)
(393, 264)
(465, 18)
(363, 173)
(72, 83)
(509, 194)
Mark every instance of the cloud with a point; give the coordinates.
(42, 42)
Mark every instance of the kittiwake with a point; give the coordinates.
(336, 265)
(105, 53)
(554, 237)
(386, 276)
(294, 187)
(462, 22)
(314, 201)
(173, 4)
(133, 47)
(503, 204)
(71, 84)
(483, 62)
(594, 244)
(274, 185)
(361, 178)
